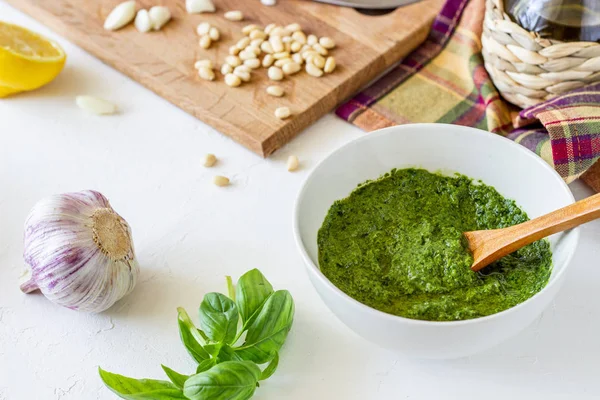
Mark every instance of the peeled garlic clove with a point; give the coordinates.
(95, 105)
(142, 21)
(79, 252)
(120, 16)
(159, 16)
(199, 6)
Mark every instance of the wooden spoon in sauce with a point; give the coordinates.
(490, 245)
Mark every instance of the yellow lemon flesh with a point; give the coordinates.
(27, 60)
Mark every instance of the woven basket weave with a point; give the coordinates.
(528, 69)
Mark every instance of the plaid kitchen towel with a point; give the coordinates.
(444, 80)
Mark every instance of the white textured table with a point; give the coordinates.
(189, 234)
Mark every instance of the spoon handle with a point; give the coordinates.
(489, 246)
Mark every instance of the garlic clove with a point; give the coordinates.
(199, 6)
(120, 16)
(79, 252)
(95, 105)
(159, 16)
(142, 21)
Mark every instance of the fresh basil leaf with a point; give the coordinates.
(140, 389)
(230, 380)
(191, 337)
(267, 372)
(268, 331)
(252, 291)
(205, 365)
(226, 353)
(175, 377)
(219, 317)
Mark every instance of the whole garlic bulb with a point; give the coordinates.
(79, 252)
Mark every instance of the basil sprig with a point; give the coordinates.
(226, 368)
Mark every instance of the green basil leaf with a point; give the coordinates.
(205, 365)
(231, 380)
(267, 372)
(219, 317)
(252, 291)
(268, 331)
(191, 337)
(140, 389)
(226, 353)
(175, 377)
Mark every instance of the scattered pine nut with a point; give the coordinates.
(317, 60)
(280, 55)
(277, 44)
(205, 42)
(320, 49)
(226, 69)
(244, 68)
(327, 42)
(256, 42)
(291, 68)
(214, 34)
(203, 63)
(221, 180)
(275, 90)
(234, 15)
(298, 58)
(329, 65)
(293, 27)
(268, 61)
(275, 73)
(283, 61)
(232, 80)
(206, 73)
(295, 46)
(266, 47)
(249, 28)
(243, 43)
(282, 112)
(292, 163)
(243, 75)
(234, 50)
(257, 34)
(247, 55)
(269, 28)
(286, 39)
(253, 63)
(203, 28)
(311, 40)
(313, 70)
(254, 49)
(234, 61)
(299, 37)
(209, 160)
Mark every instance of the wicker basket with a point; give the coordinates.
(528, 69)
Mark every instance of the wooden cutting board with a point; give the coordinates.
(163, 61)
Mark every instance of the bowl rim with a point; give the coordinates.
(391, 317)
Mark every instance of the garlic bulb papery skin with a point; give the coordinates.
(79, 252)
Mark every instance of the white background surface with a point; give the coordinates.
(189, 234)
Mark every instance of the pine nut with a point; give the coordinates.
(249, 28)
(327, 42)
(232, 80)
(283, 54)
(320, 49)
(268, 61)
(209, 160)
(234, 50)
(221, 180)
(266, 47)
(293, 27)
(309, 53)
(275, 90)
(277, 44)
(311, 40)
(214, 34)
(291, 68)
(203, 63)
(243, 68)
(297, 58)
(329, 65)
(299, 37)
(282, 112)
(255, 49)
(282, 62)
(275, 73)
(203, 28)
(254, 63)
(286, 39)
(269, 28)
(226, 69)
(295, 47)
(292, 163)
(256, 42)
(247, 55)
(243, 43)
(206, 73)
(313, 70)
(280, 31)
(257, 34)
(317, 60)
(234, 61)
(234, 15)
(244, 75)
(205, 42)
(288, 47)
(306, 48)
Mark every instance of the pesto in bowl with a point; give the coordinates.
(396, 244)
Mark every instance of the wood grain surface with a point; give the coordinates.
(163, 61)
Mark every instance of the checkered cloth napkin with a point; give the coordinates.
(444, 80)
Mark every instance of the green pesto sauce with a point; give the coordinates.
(396, 244)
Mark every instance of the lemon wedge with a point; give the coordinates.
(27, 60)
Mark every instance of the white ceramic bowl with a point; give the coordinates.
(513, 170)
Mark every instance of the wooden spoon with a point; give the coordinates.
(491, 245)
